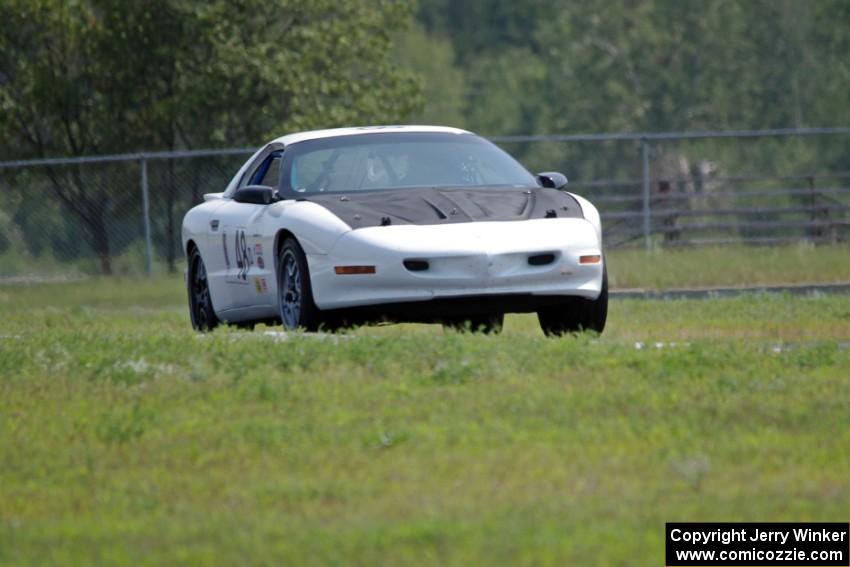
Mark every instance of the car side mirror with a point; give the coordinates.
(552, 179)
(255, 194)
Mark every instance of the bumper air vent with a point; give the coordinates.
(541, 259)
(416, 265)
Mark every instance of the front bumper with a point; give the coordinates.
(464, 260)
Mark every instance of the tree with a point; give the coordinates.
(107, 76)
(536, 67)
(443, 84)
(486, 27)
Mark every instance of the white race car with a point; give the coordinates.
(331, 228)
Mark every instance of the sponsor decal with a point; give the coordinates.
(260, 285)
(258, 255)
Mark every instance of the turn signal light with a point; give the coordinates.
(590, 259)
(353, 270)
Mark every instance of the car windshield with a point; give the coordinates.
(398, 161)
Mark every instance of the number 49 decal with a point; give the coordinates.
(242, 254)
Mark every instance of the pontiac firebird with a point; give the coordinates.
(330, 228)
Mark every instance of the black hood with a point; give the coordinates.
(423, 206)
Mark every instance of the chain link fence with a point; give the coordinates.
(107, 215)
(122, 214)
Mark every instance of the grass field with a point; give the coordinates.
(629, 268)
(699, 267)
(126, 439)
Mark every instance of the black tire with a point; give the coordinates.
(295, 294)
(577, 314)
(489, 324)
(200, 302)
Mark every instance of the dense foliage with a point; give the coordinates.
(533, 66)
(94, 76)
(107, 76)
(553, 67)
(99, 76)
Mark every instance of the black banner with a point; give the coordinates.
(693, 544)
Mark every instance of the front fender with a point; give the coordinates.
(195, 225)
(591, 214)
(316, 228)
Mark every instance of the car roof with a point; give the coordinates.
(334, 132)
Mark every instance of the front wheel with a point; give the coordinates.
(200, 302)
(295, 295)
(576, 314)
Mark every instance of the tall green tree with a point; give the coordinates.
(477, 27)
(444, 84)
(106, 76)
(540, 67)
(648, 64)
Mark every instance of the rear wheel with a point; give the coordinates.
(577, 314)
(295, 295)
(200, 302)
(489, 324)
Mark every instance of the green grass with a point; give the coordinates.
(699, 267)
(629, 268)
(126, 439)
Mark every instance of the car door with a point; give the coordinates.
(243, 244)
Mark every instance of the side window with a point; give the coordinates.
(267, 172)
